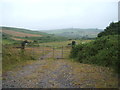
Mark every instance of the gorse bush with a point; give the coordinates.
(103, 51)
(112, 29)
(76, 50)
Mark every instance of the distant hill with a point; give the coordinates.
(5, 29)
(16, 35)
(75, 32)
(12, 34)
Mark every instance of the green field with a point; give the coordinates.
(64, 43)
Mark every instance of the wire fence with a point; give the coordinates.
(43, 52)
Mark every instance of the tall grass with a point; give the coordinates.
(12, 57)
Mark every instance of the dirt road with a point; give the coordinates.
(59, 73)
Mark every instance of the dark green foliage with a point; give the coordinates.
(103, 51)
(5, 36)
(75, 50)
(113, 29)
(7, 40)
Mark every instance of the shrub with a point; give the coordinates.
(103, 51)
(75, 50)
(112, 29)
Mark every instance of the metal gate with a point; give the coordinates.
(42, 52)
(51, 52)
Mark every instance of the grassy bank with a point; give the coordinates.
(13, 57)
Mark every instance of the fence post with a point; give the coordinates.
(43, 51)
(53, 51)
(62, 51)
(33, 51)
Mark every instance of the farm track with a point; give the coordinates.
(59, 74)
(57, 55)
(49, 55)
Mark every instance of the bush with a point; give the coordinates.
(112, 29)
(103, 51)
(75, 50)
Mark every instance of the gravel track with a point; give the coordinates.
(39, 75)
(58, 74)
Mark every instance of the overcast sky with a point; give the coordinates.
(56, 14)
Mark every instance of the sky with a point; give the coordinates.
(119, 11)
(57, 14)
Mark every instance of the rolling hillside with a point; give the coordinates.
(22, 30)
(12, 34)
(20, 34)
(16, 35)
(75, 33)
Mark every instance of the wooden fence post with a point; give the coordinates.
(33, 51)
(53, 51)
(43, 51)
(62, 51)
